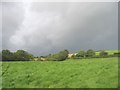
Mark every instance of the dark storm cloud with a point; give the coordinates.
(44, 28)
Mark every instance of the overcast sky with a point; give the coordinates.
(48, 27)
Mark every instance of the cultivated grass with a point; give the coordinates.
(85, 73)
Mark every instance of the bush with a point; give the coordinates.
(90, 53)
(81, 54)
(116, 54)
(103, 54)
(20, 55)
(62, 55)
(23, 55)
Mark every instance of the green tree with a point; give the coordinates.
(7, 55)
(0, 56)
(103, 54)
(23, 55)
(117, 54)
(62, 55)
(90, 53)
(81, 54)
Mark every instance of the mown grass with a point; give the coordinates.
(85, 73)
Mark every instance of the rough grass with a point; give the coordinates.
(85, 73)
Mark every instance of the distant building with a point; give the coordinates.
(70, 55)
(43, 59)
(35, 59)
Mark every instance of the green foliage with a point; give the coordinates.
(20, 55)
(117, 54)
(90, 53)
(85, 73)
(110, 52)
(62, 55)
(81, 54)
(23, 55)
(7, 55)
(103, 54)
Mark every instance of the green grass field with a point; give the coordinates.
(110, 52)
(85, 73)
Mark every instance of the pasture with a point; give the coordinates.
(110, 52)
(80, 73)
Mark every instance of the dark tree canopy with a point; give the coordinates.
(103, 54)
(23, 55)
(62, 55)
(19, 55)
(90, 53)
(81, 54)
(7, 55)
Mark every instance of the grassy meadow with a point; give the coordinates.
(110, 52)
(80, 73)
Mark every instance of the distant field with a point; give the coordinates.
(110, 52)
(85, 73)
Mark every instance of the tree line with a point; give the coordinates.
(92, 54)
(21, 55)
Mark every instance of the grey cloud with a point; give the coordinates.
(12, 17)
(44, 28)
(0, 27)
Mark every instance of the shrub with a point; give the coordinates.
(90, 53)
(23, 55)
(81, 54)
(7, 55)
(116, 54)
(62, 55)
(103, 54)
